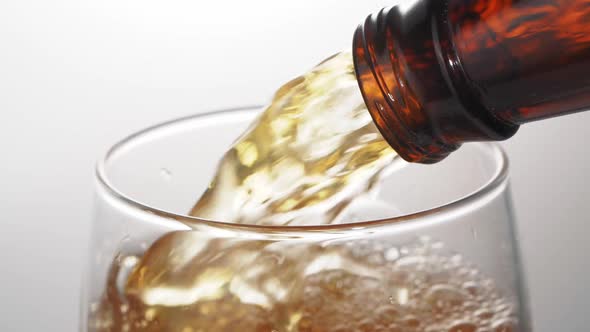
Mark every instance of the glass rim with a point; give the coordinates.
(495, 182)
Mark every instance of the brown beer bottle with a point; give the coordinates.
(437, 73)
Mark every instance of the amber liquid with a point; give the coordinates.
(304, 160)
(188, 282)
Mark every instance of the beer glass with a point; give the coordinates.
(434, 249)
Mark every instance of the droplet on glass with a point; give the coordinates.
(392, 254)
(166, 174)
(474, 233)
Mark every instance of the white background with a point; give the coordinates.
(76, 75)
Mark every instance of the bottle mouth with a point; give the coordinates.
(415, 87)
(388, 102)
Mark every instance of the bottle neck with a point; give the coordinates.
(440, 73)
(529, 59)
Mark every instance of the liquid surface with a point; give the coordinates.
(303, 161)
(187, 282)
